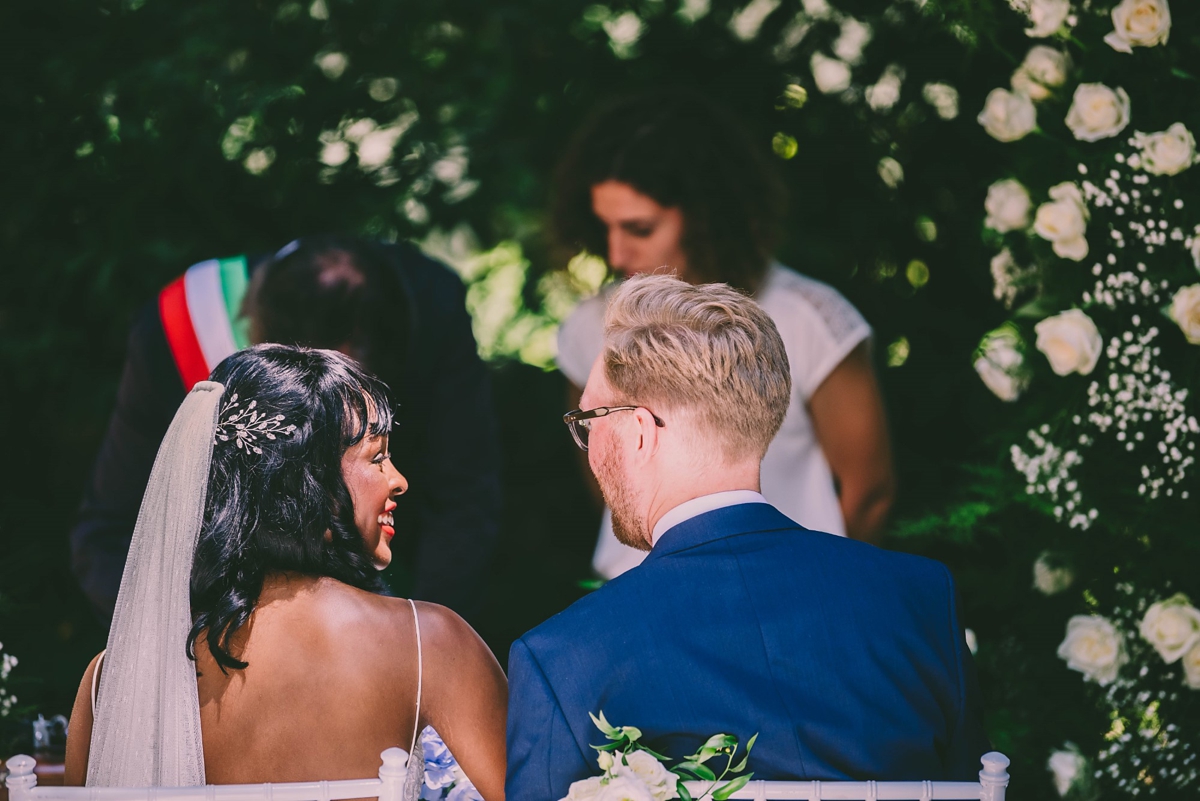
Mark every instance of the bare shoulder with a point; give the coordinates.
(79, 737)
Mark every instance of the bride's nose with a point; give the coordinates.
(397, 483)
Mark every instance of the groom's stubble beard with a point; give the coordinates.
(614, 486)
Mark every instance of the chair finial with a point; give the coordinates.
(994, 776)
(21, 778)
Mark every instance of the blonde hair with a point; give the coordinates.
(708, 349)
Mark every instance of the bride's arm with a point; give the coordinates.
(79, 733)
(465, 697)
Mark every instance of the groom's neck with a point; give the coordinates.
(683, 488)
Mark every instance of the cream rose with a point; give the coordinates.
(649, 771)
(1195, 250)
(1139, 23)
(1191, 667)
(1007, 206)
(1168, 152)
(1063, 221)
(1007, 116)
(1067, 766)
(1001, 365)
(584, 789)
(1097, 112)
(1070, 342)
(831, 75)
(1094, 647)
(1043, 69)
(1049, 577)
(1046, 17)
(624, 788)
(1185, 311)
(1172, 627)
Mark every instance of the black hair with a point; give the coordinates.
(268, 512)
(686, 152)
(330, 291)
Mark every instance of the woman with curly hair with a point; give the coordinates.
(666, 181)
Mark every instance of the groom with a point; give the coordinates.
(849, 661)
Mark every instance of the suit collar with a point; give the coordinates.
(728, 521)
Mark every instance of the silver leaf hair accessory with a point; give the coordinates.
(244, 425)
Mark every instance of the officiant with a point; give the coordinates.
(390, 307)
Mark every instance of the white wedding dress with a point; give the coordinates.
(146, 707)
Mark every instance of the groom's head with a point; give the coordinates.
(706, 370)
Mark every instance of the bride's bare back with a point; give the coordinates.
(332, 682)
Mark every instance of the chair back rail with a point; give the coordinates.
(993, 781)
(22, 786)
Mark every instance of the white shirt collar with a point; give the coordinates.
(698, 506)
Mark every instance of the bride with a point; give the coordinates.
(252, 641)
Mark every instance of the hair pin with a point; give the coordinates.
(246, 425)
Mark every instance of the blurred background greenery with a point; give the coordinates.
(144, 136)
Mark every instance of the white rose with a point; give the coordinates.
(1001, 365)
(1139, 23)
(1168, 152)
(1185, 311)
(1067, 767)
(650, 772)
(830, 74)
(1007, 116)
(1191, 667)
(1070, 341)
(1094, 647)
(1049, 578)
(1063, 221)
(1172, 627)
(624, 788)
(605, 760)
(1097, 112)
(1043, 69)
(584, 790)
(1007, 206)
(1046, 17)
(1008, 277)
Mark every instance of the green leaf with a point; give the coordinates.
(698, 770)
(602, 724)
(729, 789)
(652, 753)
(736, 769)
(720, 741)
(608, 746)
(750, 744)
(682, 789)
(632, 732)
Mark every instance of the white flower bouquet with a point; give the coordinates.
(633, 772)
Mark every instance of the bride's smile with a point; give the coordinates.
(374, 483)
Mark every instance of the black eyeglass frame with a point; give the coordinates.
(577, 421)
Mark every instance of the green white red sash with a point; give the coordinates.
(201, 316)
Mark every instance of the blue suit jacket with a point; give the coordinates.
(848, 660)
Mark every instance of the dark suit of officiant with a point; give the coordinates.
(445, 443)
(848, 660)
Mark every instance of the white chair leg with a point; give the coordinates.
(994, 776)
(21, 778)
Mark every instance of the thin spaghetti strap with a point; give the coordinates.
(420, 667)
(96, 681)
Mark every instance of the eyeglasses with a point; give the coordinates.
(580, 421)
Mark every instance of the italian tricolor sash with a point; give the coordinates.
(201, 316)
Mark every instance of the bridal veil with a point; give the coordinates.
(147, 722)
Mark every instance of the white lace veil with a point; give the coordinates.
(147, 723)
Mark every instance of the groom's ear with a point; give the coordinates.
(328, 535)
(648, 432)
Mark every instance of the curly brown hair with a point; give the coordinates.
(683, 151)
